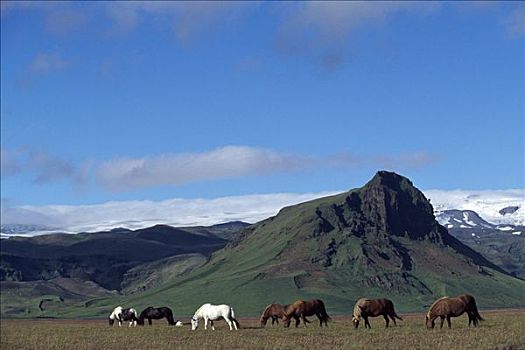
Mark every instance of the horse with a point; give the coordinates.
(446, 307)
(156, 313)
(212, 313)
(372, 308)
(121, 314)
(276, 311)
(302, 308)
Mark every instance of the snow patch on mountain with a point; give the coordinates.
(487, 204)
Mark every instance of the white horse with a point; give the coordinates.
(121, 314)
(212, 313)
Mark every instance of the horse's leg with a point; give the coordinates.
(229, 322)
(386, 320)
(149, 321)
(442, 320)
(212, 326)
(448, 322)
(393, 319)
(367, 323)
(320, 319)
(303, 318)
(205, 323)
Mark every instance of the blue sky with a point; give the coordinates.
(151, 101)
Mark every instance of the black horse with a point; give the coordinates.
(156, 313)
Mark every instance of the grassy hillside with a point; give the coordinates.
(381, 240)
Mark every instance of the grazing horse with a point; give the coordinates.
(121, 314)
(372, 308)
(275, 312)
(302, 308)
(212, 313)
(446, 307)
(156, 313)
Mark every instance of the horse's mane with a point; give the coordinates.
(357, 308)
(266, 309)
(434, 304)
(114, 312)
(200, 309)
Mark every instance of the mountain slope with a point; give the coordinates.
(379, 240)
(44, 274)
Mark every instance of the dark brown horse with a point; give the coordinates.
(302, 308)
(275, 312)
(372, 308)
(446, 307)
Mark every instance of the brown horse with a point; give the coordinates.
(446, 307)
(302, 308)
(275, 312)
(372, 308)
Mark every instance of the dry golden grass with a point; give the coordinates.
(501, 330)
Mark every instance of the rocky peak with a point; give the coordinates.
(399, 208)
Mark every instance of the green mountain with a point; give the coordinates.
(378, 240)
(43, 275)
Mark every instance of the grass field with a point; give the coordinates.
(501, 330)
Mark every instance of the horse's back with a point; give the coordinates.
(214, 310)
(118, 309)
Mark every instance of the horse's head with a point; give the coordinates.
(429, 322)
(111, 321)
(194, 323)
(286, 320)
(140, 321)
(355, 321)
(264, 319)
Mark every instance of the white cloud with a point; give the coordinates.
(186, 19)
(45, 62)
(140, 214)
(45, 167)
(176, 169)
(322, 29)
(248, 208)
(515, 22)
(413, 160)
(9, 163)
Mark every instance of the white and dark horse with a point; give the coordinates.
(121, 314)
(212, 313)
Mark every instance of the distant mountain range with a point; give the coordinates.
(382, 239)
(469, 219)
(498, 207)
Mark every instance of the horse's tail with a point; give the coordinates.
(323, 311)
(326, 316)
(475, 312)
(234, 320)
(397, 316)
